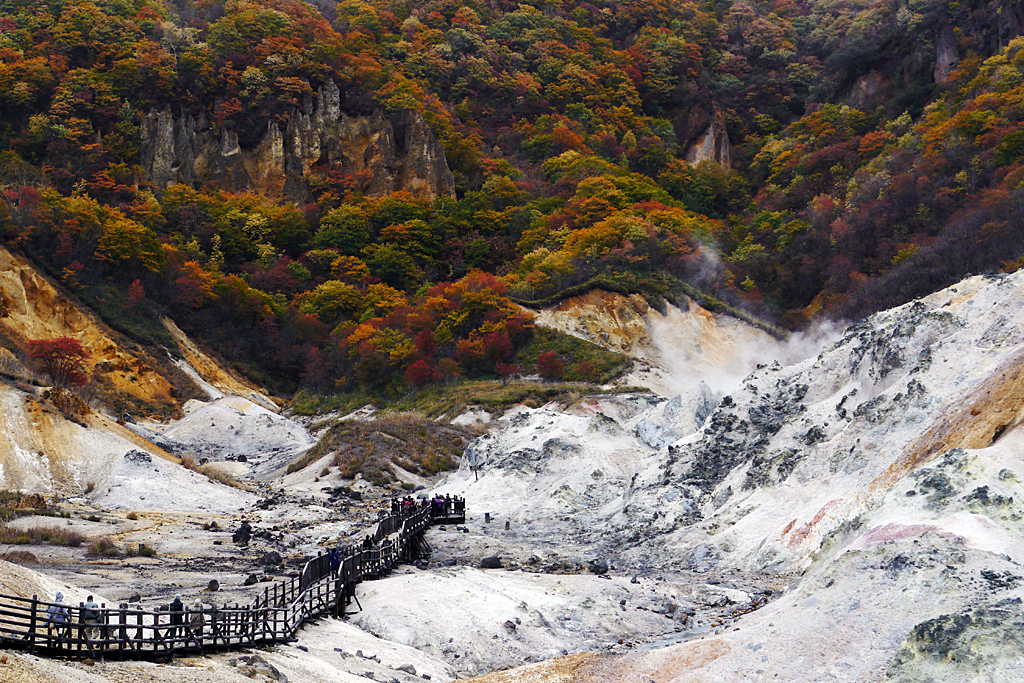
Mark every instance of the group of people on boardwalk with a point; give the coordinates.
(193, 626)
(184, 623)
(404, 506)
(58, 619)
(443, 507)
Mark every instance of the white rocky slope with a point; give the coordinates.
(871, 492)
(886, 472)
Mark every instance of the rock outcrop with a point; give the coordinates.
(947, 55)
(712, 144)
(385, 153)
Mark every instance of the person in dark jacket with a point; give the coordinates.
(335, 561)
(177, 610)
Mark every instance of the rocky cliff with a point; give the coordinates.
(386, 153)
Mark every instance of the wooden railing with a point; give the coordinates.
(273, 616)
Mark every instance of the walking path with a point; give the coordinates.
(274, 616)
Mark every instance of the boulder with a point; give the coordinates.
(493, 562)
(270, 559)
(243, 534)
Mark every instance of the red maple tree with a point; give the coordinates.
(62, 358)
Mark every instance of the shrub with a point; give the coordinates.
(39, 535)
(418, 373)
(103, 547)
(550, 366)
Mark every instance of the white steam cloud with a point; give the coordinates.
(695, 347)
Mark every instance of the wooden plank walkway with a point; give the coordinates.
(274, 616)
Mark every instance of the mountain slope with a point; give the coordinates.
(881, 479)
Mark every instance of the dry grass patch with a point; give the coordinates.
(410, 441)
(221, 477)
(20, 557)
(54, 535)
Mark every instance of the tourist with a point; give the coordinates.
(177, 609)
(57, 619)
(91, 618)
(335, 562)
(196, 623)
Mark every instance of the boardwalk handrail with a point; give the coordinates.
(275, 615)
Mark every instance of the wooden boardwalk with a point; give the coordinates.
(274, 616)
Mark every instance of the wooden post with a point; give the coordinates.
(104, 629)
(122, 634)
(32, 626)
(81, 628)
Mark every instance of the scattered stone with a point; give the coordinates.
(88, 662)
(213, 586)
(135, 597)
(510, 625)
(450, 562)
(243, 534)
(254, 665)
(139, 457)
(271, 558)
(493, 562)
(302, 647)
(242, 458)
(599, 566)
(634, 580)
(407, 668)
(251, 580)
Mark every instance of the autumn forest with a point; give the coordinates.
(784, 159)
